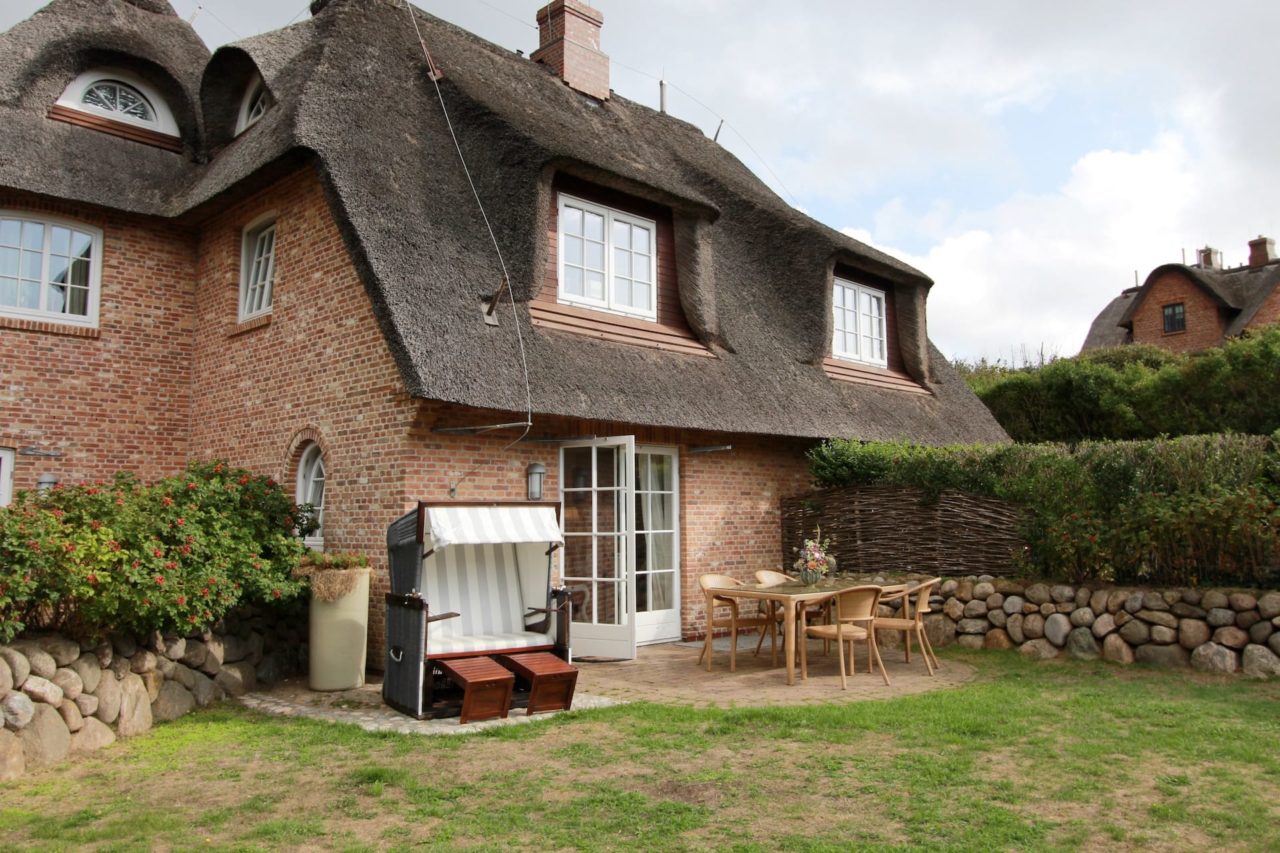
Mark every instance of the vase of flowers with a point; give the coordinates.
(813, 562)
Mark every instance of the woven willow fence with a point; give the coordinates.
(890, 528)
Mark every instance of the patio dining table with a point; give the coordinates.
(792, 596)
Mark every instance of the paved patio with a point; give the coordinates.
(666, 673)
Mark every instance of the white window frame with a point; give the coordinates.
(90, 318)
(858, 291)
(249, 239)
(609, 303)
(7, 457)
(311, 459)
(73, 96)
(246, 119)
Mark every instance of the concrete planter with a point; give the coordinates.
(339, 634)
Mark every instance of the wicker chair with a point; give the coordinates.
(816, 613)
(734, 621)
(855, 619)
(915, 603)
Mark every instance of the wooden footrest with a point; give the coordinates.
(486, 687)
(550, 680)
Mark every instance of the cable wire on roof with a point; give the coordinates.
(524, 363)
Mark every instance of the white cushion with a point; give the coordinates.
(478, 582)
(481, 643)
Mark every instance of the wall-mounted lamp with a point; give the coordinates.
(537, 472)
(46, 482)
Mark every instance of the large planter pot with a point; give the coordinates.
(339, 629)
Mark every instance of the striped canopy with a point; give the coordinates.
(490, 525)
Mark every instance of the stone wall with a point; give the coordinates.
(1210, 630)
(60, 698)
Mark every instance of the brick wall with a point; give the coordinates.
(317, 370)
(1205, 324)
(1268, 312)
(116, 397)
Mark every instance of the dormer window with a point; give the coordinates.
(607, 259)
(859, 327)
(255, 103)
(107, 98)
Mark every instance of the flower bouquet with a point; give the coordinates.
(813, 562)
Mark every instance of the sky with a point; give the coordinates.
(1029, 157)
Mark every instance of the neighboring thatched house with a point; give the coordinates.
(273, 255)
(1187, 308)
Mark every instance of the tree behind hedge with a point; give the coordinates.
(1141, 391)
(173, 555)
(1190, 510)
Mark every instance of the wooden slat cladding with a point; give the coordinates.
(670, 332)
(867, 374)
(887, 529)
(116, 128)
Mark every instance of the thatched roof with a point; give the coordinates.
(1106, 331)
(351, 93)
(1240, 292)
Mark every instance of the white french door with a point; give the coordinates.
(597, 564)
(657, 478)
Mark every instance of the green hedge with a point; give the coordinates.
(1191, 510)
(173, 555)
(1135, 392)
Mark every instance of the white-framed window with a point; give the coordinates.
(859, 327)
(255, 102)
(6, 475)
(257, 267)
(311, 490)
(607, 259)
(50, 269)
(122, 96)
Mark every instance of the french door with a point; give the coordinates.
(598, 500)
(657, 478)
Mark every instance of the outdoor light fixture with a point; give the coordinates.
(537, 473)
(46, 482)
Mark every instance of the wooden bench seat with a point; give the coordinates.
(486, 687)
(550, 680)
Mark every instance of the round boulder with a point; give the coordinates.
(954, 608)
(1211, 657)
(999, 618)
(1040, 649)
(1116, 600)
(17, 709)
(1166, 656)
(18, 665)
(1116, 650)
(1082, 617)
(1187, 611)
(88, 704)
(42, 690)
(1013, 604)
(1048, 609)
(1103, 625)
(1133, 603)
(1247, 618)
(1269, 605)
(1062, 593)
(1013, 627)
(1219, 616)
(95, 735)
(1214, 599)
(1162, 635)
(62, 650)
(13, 762)
(71, 715)
(173, 702)
(1260, 662)
(1273, 643)
(86, 666)
(1033, 626)
(1154, 601)
(997, 638)
(1056, 629)
(6, 679)
(983, 590)
(1098, 600)
(1260, 631)
(1241, 601)
(42, 663)
(1037, 593)
(1192, 633)
(1135, 632)
(995, 601)
(1083, 596)
(969, 641)
(964, 626)
(1081, 644)
(70, 683)
(974, 609)
(109, 698)
(1231, 637)
(135, 707)
(46, 739)
(1158, 617)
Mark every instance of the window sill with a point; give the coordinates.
(1173, 334)
(51, 327)
(252, 324)
(860, 373)
(604, 309)
(111, 127)
(848, 359)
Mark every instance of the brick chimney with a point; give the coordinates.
(1261, 251)
(1208, 258)
(569, 44)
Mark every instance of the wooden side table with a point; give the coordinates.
(551, 681)
(486, 687)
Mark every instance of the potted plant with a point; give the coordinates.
(339, 618)
(813, 562)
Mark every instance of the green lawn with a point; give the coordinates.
(1030, 757)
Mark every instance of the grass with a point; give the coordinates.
(1032, 756)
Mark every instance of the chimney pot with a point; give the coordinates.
(569, 44)
(1208, 258)
(1261, 251)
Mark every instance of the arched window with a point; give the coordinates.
(311, 489)
(256, 102)
(122, 96)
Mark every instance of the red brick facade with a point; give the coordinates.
(80, 403)
(1205, 323)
